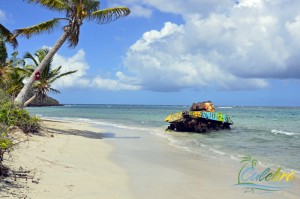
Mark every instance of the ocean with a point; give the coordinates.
(269, 134)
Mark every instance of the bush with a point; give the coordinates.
(13, 116)
(5, 147)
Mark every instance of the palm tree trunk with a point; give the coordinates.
(20, 99)
(30, 100)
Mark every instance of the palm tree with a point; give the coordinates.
(15, 82)
(8, 36)
(47, 77)
(11, 71)
(76, 11)
(6, 65)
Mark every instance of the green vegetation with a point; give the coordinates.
(13, 116)
(75, 13)
(47, 77)
(40, 75)
(5, 146)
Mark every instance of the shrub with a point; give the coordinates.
(13, 116)
(5, 146)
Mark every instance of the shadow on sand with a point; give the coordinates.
(90, 134)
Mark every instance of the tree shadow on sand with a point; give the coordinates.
(90, 134)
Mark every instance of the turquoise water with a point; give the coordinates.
(269, 134)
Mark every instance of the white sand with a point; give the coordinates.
(72, 164)
(125, 164)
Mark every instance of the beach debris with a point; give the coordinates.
(202, 117)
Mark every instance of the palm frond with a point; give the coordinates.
(38, 28)
(29, 69)
(14, 61)
(109, 14)
(61, 75)
(8, 36)
(41, 53)
(91, 6)
(58, 5)
(28, 55)
(54, 90)
(54, 72)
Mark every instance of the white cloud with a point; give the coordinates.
(163, 63)
(80, 79)
(293, 28)
(250, 3)
(225, 45)
(140, 11)
(76, 62)
(110, 84)
(2, 16)
(231, 45)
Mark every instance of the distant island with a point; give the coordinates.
(47, 101)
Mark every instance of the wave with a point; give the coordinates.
(217, 151)
(225, 107)
(274, 131)
(97, 122)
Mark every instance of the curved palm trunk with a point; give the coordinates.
(20, 99)
(30, 100)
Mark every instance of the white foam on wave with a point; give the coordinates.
(225, 106)
(97, 122)
(217, 152)
(274, 131)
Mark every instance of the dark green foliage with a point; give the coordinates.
(13, 116)
(3, 51)
(22, 119)
(5, 147)
(5, 143)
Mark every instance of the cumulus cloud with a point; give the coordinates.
(75, 62)
(229, 45)
(226, 45)
(80, 79)
(122, 83)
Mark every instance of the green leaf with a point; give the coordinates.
(110, 14)
(59, 5)
(8, 36)
(46, 26)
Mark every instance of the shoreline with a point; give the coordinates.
(79, 160)
(70, 160)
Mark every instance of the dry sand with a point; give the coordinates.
(72, 164)
(81, 161)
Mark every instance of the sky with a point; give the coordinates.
(232, 52)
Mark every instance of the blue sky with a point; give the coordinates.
(176, 52)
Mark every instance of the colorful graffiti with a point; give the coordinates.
(216, 116)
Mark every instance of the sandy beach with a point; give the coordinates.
(77, 160)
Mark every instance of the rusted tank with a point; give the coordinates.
(201, 117)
